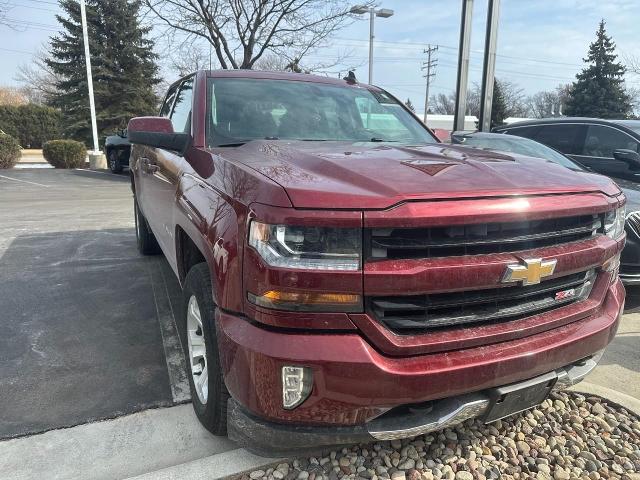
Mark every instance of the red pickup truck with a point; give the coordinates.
(348, 278)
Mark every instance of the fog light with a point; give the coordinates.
(296, 385)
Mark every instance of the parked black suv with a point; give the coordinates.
(117, 149)
(610, 147)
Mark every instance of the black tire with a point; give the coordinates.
(213, 413)
(147, 243)
(114, 162)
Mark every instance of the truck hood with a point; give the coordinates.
(348, 175)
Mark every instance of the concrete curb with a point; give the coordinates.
(231, 464)
(622, 399)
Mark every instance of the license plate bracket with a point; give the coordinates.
(517, 397)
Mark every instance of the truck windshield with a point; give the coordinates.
(243, 109)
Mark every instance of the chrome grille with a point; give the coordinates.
(633, 223)
(417, 313)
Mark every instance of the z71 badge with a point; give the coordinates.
(564, 294)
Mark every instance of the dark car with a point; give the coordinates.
(117, 148)
(630, 260)
(610, 147)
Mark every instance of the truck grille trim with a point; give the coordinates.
(478, 239)
(418, 313)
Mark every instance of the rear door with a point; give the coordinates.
(597, 151)
(567, 138)
(165, 168)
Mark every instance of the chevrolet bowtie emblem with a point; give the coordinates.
(531, 272)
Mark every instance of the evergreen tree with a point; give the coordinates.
(123, 67)
(599, 89)
(499, 106)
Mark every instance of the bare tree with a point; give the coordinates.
(37, 78)
(12, 96)
(4, 8)
(443, 104)
(515, 99)
(241, 32)
(547, 103)
(189, 58)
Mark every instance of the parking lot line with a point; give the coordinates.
(174, 354)
(24, 181)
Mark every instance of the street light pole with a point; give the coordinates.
(373, 12)
(92, 105)
(372, 16)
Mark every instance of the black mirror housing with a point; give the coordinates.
(158, 132)
(630, 156)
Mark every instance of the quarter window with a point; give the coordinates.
(181, 115)
(527, 132)
(601, 141)
(168, 102)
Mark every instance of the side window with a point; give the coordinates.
(563, 137)
(601, 141)
(181, 115)
(527, 132)
(168, 102)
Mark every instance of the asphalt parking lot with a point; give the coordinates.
(82, 313)
(89, 333)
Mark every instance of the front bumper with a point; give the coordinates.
(269, 438)
(356, 387)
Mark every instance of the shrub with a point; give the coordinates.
(31, 124)
(9, 151)
(65, 153)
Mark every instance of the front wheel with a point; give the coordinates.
(114, 162)
(209, 394)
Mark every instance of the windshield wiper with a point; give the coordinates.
(376, 139)
(236, 144)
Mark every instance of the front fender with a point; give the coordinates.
(211, 222)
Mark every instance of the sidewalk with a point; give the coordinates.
(160, 443)
(32, 156)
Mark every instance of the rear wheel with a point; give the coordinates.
(209, 394)
(114, 162)
(147, 243)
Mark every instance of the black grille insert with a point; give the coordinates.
(417, 313)
(476, 239)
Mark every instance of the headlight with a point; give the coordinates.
(309, 248)
(614, 222)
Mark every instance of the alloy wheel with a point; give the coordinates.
(197, 350)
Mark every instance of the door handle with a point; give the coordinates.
(147, 166)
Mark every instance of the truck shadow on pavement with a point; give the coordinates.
(81, 338)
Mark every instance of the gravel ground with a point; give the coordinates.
(569, 436)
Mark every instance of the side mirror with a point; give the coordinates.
(629, 156)
(157, 132)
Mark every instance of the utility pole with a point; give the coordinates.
(463, 64)
(489, 65)
(431, 63)
(87, 57)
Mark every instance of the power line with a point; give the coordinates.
(429, 65)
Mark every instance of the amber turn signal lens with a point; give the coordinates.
(308, 301)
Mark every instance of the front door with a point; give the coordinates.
(597, 152)
(163, 173)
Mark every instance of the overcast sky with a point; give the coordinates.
(541, 43)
